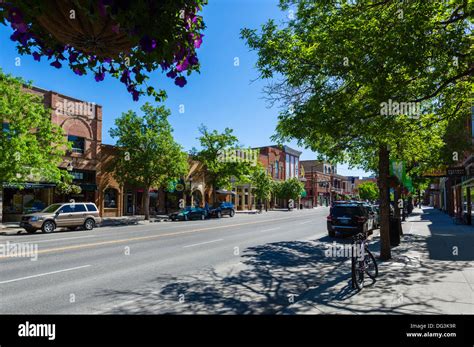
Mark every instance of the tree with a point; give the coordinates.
(124, 39)
(368, 191)
(366, 82)
(290, 189)
(263, 184)
(219, 172)
(31, 146)
(148, 156)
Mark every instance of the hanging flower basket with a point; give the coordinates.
(125, 39)
(74, 27)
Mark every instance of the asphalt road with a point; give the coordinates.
(113, 269)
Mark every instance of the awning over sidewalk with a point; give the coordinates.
(28, 185)
(88, 187)
(225, 192)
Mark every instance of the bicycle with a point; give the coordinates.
(363, 261)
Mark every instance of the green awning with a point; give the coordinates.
(28, 185)
(88, 187)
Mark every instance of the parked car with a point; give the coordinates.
(222, 209)
(65, 215)
(349, 219)
(188, 213)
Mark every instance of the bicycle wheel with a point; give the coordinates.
(371, 267)
(357, 273)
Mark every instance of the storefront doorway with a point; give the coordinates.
(29, 198)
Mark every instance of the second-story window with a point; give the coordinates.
(277, 167)
(77, 143)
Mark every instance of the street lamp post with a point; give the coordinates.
(190, 180)
(314, 195)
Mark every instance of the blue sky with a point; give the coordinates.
(222, 95)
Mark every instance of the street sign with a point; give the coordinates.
(456, 171)
(439, 172)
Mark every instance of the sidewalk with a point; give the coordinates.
(431, 272)
(14, 228)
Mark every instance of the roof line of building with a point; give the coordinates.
(60, 94)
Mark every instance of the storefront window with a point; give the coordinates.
(22, 201)
(110, 198)
(77, 143)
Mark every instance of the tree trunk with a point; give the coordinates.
(384, 192)
(146, 203)
(214, 193)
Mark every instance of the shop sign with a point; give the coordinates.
(456, 171)
(439, 172)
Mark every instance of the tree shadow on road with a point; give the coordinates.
(273, 276)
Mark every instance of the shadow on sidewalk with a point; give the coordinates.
(447, 241)
(275, 274)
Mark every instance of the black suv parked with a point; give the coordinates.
(222, 209)
(349, 219)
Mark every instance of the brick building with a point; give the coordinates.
(319, 183)
(281, 163)
(82, 124)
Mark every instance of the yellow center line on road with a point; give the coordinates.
(150, 237)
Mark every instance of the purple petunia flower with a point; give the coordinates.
(20, 27)
(135, 95)
(73, 57)
(183, 66)
(56, 64)
(198, 41)
(15, 36)
(36, 56)
(172, 74)
(49, 53)
(125, 77)
(99, 76)
(180, 81)
(193, 60)
(78, 71)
